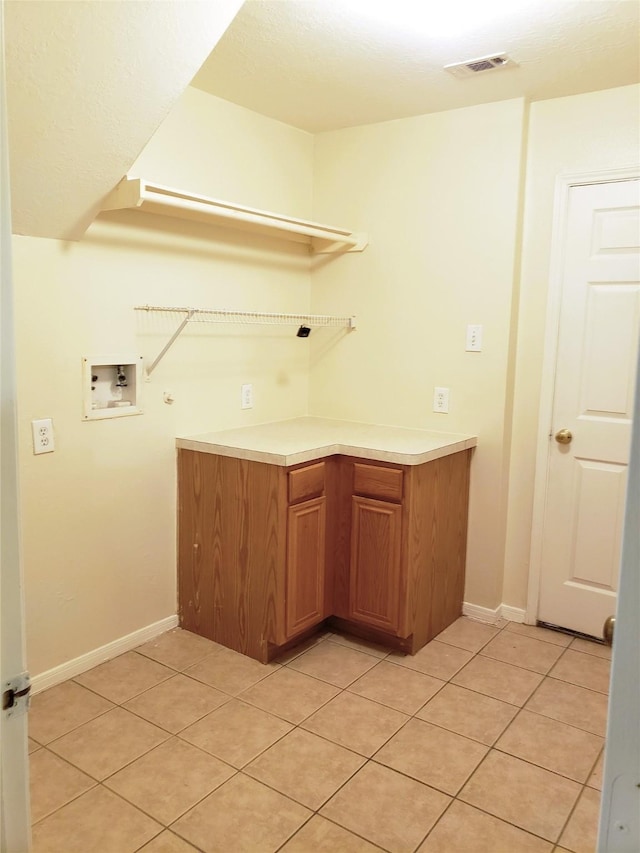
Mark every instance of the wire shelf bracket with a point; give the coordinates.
(252, 318)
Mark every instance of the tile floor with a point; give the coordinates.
(489, 740)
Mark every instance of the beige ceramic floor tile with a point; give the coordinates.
(170, 779)
(468, 713)
(104, 745)
(529, 797)
(386, 808)
(581, 832)
(590, 647)
(289, 694)
(463, 829)
(522, 651)
(230, 671)
(538, 633)
(305, 767)
(432, 755)
(583, 670)
(176, 703)
(467, 634)
(321, 836)
(242, 815)
(551, 744)
(498, 680)
(397, 687)
(595, 779)
(355, 722)
(336, 664)
(124, 677)
(60, 709)
(236, 733)
(438, 659)
(96, 821)
(301, 648)
(167, 842)
(178, 649)
(359, 645)
(53, 783)
(570, 704)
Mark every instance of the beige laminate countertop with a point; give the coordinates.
(304, 439)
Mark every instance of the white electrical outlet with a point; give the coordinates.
(246, 396)
(441, 400)
(474, 338)
(42, 436)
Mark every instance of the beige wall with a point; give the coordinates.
(583, 133)
(99, 512)
(439, 196)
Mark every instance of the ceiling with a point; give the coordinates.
(325, 64)
(88, 83)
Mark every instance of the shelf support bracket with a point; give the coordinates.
(165, 349)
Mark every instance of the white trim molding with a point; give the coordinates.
(564, 184)
(512, 614)
(81, 664)
(493, 616)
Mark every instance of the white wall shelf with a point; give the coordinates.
(221, 315)
(137, 194)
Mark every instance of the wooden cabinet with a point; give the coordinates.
(305, 565)
(306, 533)
(251, 551)
(375, 567)
(399, 552)
(267, 553)
(375, 564)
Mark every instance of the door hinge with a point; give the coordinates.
(16, 696)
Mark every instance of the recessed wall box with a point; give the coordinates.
(111, 386)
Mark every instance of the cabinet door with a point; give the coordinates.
(376, 582)
(305, 565)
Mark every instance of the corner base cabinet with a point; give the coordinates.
(266, 553)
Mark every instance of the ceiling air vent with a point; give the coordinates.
(478, 66)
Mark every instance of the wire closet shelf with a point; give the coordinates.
(252, 318)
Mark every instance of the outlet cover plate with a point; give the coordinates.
(441, 400)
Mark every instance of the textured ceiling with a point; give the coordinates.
(325, 64)
(88, 83)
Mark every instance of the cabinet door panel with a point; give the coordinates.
(306, 565)
(376, 575)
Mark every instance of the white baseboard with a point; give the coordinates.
(81, 664)
(482, 614)
(493, 616)
(513, 614)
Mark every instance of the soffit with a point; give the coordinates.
(88, 83)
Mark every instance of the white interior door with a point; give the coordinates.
(593, 400)
(14, 794)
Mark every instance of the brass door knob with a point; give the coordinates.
(608, 628)
(564, 436)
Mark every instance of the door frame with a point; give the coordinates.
(564, 184)
(15, 819)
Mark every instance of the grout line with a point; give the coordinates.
(96, 783)
(503, 820)
(571, 813)
(447, 807)
(366, 759)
